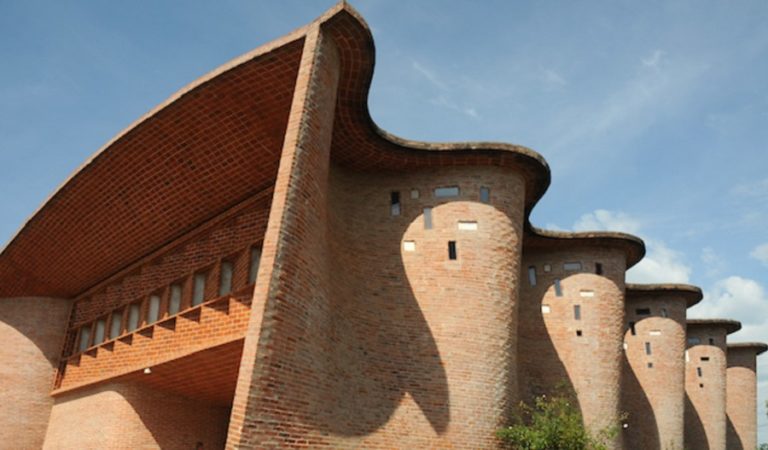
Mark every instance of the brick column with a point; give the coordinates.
(284, 370)
(741, 391)
(31, 332)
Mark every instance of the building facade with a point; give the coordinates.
(255, 264)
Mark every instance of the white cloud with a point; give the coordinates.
(737, 298)
(654, 59)
(712, 261)
(429, 76)
(760, 253)
(552, 78)
(753, 189)
(661, 264)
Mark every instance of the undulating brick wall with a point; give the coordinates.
(653, 385)
(555, 347)
(31, 332)
(705, 421)
(741, 403)
(133, 416)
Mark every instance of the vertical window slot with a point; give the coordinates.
(85, 338)
(225, 277)
(452, 250)
(254, 268)
(632, 328)
(577, 312)
(648, 348)
(174, 303)
(394, 203)
(599, 268)
(198, 290)
(699, 372)
(532, 275)
(558, 288)
(427, 218)
(153, 311)
(485, 195)
(116, 324)
(99, 333)
(134, 315)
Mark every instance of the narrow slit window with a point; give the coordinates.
(632, 328)
(648, 348)
(572, 266)
(414, 194)
(485, 194)
(558, 288)
(174, 303)
(254, 269)
(699, 372)
(452, 250)
(225, 277)
(577, 312)
(448, 191)
(532, 275)
(711, 341)
(134, 312)
(198, 291)
(598, 268)
(99, 331)
(687, 357)
(85, 338)
(116, 324)
(153, 310)
(643, 311)
(427, 218)
(394, 203)
(664, 312)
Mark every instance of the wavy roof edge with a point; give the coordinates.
(731, 326)
(691, 293)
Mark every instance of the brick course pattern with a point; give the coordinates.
(741, 389)
(384, 293)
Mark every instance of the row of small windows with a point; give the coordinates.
(567, 267)
(410, 246)
(395, 203)
(94, 333)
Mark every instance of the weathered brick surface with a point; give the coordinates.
(741, 390)
(705, 420)
(133, 416)
(551, 352)
(31, 333)
(653, 388)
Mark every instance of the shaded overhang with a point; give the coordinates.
(756, 347)
(691, 294)
(213, 144)
(730, 326)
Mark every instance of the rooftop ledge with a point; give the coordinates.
(731, 326)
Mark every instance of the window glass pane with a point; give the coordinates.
(174, 303)
(116, 325)
(153, 312)
(225, 280)
(694, 341)
(414, 193)
(198, 292)
(647, 348)
(85, 337)
(98, 335)
(572, 266)
(577, 312)
(485, 195)
(394, 203)
(558, 288)
(427, 218)
(255, 258)
(133, 316)
(532, 275)
(450, 191)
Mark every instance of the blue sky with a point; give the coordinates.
(652, 115)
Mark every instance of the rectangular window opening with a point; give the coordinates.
(699, 372)
(643, 311)
(711, 341)
(705, 358)
(578, 333)
(198, 290)
(409, 246)
(427, 218)
(467, 225)
(85, 338)
(648, 348)
(664, 312)
(414, 194)
(116, 324)
(547, 268)
(572, 266)
(532, 275)
(546, 309)
(134, 315)
(394, 203)
(225, 277)
(587, 294)
(650, 365)
(99, 332)
(632, 328)
(701, 385)
(694, 341)
(598, 268)
(448, 191)
(577, 312)
(153, 311)
(254, 268)
(174, 302)
(558, 288)
(452, 250)
(655, 332)
(485, 194)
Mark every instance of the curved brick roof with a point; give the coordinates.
(758, 347)
(731, 326)
(212, 145)
(691, 294)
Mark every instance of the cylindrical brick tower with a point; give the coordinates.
(572, 321)
(653, 387)
(32, 333)
(705, 375)
(741, 391)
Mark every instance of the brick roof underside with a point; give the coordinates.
(210, 147)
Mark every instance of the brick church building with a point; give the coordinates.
(255, 264)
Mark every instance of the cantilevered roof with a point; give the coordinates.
(731, 326)
(215, 143)
(757, 347)
(691, 294)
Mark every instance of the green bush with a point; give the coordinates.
(553, 423)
